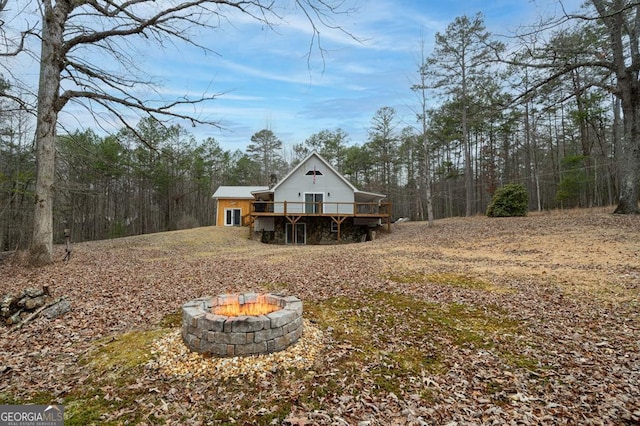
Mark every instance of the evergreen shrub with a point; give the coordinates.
(509, 200)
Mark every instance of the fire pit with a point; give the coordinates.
(241, 324)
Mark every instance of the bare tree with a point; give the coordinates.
(621, 19)
(71, 32)
(610, 49)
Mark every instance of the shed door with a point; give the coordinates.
(232, 217)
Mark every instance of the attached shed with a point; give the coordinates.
(233, 204)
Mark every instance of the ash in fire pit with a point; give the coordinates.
(241, 324)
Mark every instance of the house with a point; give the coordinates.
(233, 204)
(314, 204)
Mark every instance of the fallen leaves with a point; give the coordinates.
(535, 321)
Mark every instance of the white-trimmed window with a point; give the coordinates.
(232, 217)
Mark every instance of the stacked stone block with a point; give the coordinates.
(219, 335)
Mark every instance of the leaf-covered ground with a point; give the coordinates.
(474, 321)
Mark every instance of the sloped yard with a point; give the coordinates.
(474, 321)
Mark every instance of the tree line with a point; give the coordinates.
(556, 110)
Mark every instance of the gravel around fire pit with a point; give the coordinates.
(173, 359)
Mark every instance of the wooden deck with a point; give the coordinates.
(338, 212)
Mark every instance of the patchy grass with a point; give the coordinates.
(172, 320)
(445, 278)
(110, 395)
(391, 339)
(98, 403)
(407, 277)
(115, 355)
(275, 288)
(39, 398)
(457, 280)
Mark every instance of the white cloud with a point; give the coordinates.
(265, 77)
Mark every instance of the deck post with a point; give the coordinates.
(338, 220)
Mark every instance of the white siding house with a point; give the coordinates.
(315, 200)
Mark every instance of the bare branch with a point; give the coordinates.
(135, 103)
(19, 44)
(165, 22)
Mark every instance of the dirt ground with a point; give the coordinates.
(479, 320)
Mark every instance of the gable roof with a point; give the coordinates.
(238, 192)
(323, 161)
(250, 192)
(330, 167)
(361, 195)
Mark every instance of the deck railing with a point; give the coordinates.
(284, 208)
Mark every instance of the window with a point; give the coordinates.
(313, 202)
(232, 217)
(334, 226)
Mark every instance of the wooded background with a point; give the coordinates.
(483, 118)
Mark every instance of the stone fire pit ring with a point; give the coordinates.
(206, 332)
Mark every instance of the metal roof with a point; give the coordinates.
(364, 196)
(237, 191)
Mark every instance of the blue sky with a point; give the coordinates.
(267, 81)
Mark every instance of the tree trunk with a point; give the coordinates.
(41, 251)
(468, 169)
(630, 158)
(629, 92)
(622, 37)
